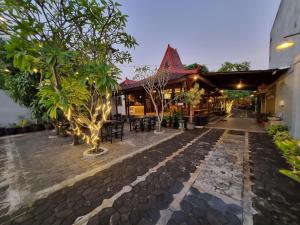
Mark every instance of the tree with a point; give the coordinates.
(193, 97)
(71, 44)
(203, 68)
(154, 83)
(228, 67)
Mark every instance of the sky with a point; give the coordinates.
(207, 32)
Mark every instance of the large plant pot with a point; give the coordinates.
(190, 126)
(181, 124)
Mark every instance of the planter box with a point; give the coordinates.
(11, 130)
(2, 131)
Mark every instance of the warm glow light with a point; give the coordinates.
(285, 45)
(195, 77)
(35, 70)
(239, 85)
(222, 91)
(6, 70)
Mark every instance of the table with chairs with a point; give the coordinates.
(142, 123)
(112, 129)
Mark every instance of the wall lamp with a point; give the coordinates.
(287, 43)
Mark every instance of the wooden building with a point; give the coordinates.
(137, 101)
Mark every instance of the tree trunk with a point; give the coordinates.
(191, 114)
(75, 140)
(159, 124)
(75, 137)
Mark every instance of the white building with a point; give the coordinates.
(11, 111)
(286, 29)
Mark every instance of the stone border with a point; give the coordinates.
(70, 182)
(248, 210)
(88, 155)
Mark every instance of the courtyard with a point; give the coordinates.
(204, 176)
(95, 130)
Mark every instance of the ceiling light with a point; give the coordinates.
(239, 85)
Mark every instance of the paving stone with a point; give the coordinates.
(63, 213)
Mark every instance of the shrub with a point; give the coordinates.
(282, 136)
(291, 152)
(273, 129)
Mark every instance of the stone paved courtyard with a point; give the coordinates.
(205, 176)
(33, 165)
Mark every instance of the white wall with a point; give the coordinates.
(121, 109)
(288, 90)
(9, 110)
(287, 22)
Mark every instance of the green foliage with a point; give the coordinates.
(236, 94)
(273, 129)
(22, 88)
(73, 92)
(70, 45)
(282, 136)
(203, 68)
(291, 174)
(23, 123)
(289, 149)
(194, 95)
(228, 67)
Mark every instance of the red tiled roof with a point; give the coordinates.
(128, 82)
(171, 63)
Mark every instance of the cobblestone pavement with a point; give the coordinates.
(198, 177)
(37, 163)
(143, 203)
(65, 205)
(277, 200)
(216, 195)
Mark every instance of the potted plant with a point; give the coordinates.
(193, 98)
(175, 119)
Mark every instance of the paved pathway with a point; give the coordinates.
(200, 177)
(216, 195)
(33, 165)
(67, 204)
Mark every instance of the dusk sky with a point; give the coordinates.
(204, 31)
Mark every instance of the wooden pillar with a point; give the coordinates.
(126, 105)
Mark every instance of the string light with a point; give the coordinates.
(92, 124)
